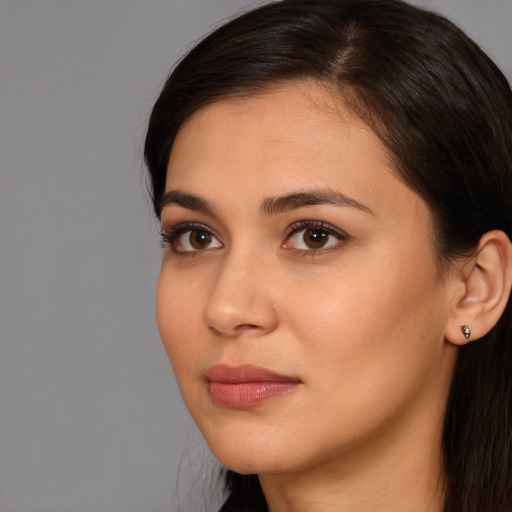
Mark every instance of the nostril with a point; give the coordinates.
(247, 327)
(238, 329)
(215, 331)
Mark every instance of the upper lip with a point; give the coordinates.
(245, 373)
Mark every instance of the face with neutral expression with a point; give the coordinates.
(299, 299)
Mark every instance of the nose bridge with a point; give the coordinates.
(241, 299)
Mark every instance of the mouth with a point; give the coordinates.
(246, 386)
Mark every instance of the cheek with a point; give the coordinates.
(371, 321)
(178, 318)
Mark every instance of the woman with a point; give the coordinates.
(333, 179)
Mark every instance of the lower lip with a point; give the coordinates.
(247, 394)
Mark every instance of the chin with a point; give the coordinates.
(249, 452)
(248, 465)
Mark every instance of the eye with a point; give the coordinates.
(190, 238)
(313, 235)
(196, 240)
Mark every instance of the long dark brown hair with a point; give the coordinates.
(444, 112)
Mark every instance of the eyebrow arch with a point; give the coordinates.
(188, 201)
(270, 206)
(277, 205)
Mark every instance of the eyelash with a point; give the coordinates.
(304, 225)
(172, 234)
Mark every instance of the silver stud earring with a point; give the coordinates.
(466, 331)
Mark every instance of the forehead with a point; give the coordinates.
(295, 132)
(304, 114)
(308, 102)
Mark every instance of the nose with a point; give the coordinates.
(241, 299)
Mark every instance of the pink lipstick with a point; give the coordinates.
(246, 386)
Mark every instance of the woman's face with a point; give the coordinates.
(299, 299)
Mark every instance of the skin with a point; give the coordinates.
(360, 322)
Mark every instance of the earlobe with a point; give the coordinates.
(487, 279)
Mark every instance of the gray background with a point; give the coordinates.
(90, 417)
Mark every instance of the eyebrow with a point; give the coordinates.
(277, 205)
(188, 201)
(270, 206)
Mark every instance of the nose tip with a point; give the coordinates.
(227, 316)
(240, 303)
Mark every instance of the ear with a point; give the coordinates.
(482, 289)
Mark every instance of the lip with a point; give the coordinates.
(246, 385)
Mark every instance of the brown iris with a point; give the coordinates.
(315, 238)
(200, 239)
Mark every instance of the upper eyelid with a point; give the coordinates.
(315, 224)
(188, 226)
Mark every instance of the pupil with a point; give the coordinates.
(315, 238)
(200, 239)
